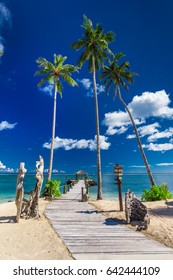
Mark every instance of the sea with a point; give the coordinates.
(135, 182)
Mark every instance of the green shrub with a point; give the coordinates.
(156, 193)
(53, 188)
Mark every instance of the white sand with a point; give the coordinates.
(161, 218)
(29, 239)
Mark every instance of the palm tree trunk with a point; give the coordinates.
(53, 135)
(138, 139)
(99, 177)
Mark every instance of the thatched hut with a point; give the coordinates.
(81, 174)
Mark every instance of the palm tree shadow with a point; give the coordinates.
(167, 211)
(7, 219)
(108, 221)
(169, 203)
(96, 211)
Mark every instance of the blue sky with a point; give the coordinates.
(31, 29)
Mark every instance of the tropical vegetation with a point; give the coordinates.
(52, 188)
(119, 76)
(54, 74)
(94, 43)
(157, 193)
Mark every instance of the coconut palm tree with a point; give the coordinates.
(55, 74)
(119, 76)
(95, 49)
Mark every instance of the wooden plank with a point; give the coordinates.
(84, 230)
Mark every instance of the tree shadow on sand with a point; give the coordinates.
(96, 211)
(7, 219)
(163, 211)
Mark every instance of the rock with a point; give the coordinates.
(90, 182)
(135, 210)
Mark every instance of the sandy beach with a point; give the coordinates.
(29, 239)
(36, 239)
(161, 218)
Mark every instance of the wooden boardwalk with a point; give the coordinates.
(90, 235)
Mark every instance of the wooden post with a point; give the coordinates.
(87, 189)
(120, 195)
(118, 170)
(82, 192)
(20, 190)
(64, 190)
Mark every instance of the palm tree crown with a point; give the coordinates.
(55, 74)
(95, 43)
(120, 75)
(95, 49)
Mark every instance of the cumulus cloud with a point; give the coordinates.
(4, 169)
(150, 104)
(165, 134)
(88, 85)
(146, 130)
(5, 20)
(118, 122)
(48, 89)
(69, 144)
(7, 125)
(146, 106)
(2, 166)
(159, 147)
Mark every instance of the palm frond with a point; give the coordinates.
(117, 74)
(87, 23)
(78, 44)
(59, 60)
(48, 78)
(69, 80)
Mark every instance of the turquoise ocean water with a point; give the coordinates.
(136, 182)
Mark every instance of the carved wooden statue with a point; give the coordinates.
(20, 190)
(30, 208)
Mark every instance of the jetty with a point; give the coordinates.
(90, 235)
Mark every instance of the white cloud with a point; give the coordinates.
(150, 104)
(165, 134)
(165, 164)
(9, 170)
(88, 85)
(4, 169)
(5, 20)
(118, 122)
(138, 166)
(112, 131)
(145, 130)
(159, 147)
(6, 125)
(148, 129)
(48, 89)
(69, 144)
(2, 166)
